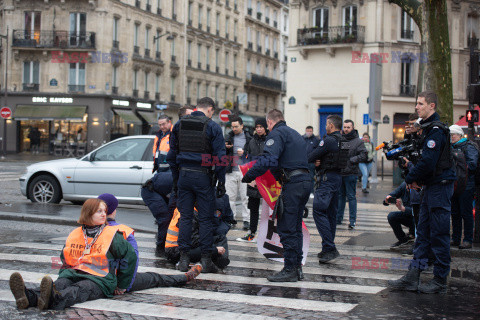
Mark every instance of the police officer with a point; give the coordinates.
(435, 171)
(161, 144)
(159, 198)
(285, 150)
(325, 201)
(196, 143)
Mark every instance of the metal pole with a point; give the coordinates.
(5, 98)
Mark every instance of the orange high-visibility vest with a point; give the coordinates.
(163, 147)
(172, 232)
(94, 263)
(126, 230)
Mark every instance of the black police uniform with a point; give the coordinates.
(325, 202)
(286, 149)
(435, 171)
(194, 139)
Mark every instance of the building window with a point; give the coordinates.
(172, 88)
(258, 38)
(266, 70)
(216, 93)
(135, 79)
(199, 85)
(206, 89)
(234, 65)
(267, 14)
(78, 28)
(135, 35)
(147, 38)
(473, 27)
(146, 81)
(114, 77)
(207, 58)
(227, 55)
(227, 22)
(216, 59)
(189, 53)
(259, 7)
(200, 16)
(235, 30)
(249, 66)
(31, 75)
(173, 47)
(275, 75)
(159, 6)
(320, 20)
(174, 9)
(199, 55)
(217, 21)
(226, 94)
(208, 19)
(76, 77)
(115, 30)
(157, 42)
(258, 68)
(157, 84)
(406, 88)
(189, 84)
(249, 34)
(267, 42)
(407, 27)
(32, 25)
(349, 19)
(285, 23)
(256, 105)
(190, 13)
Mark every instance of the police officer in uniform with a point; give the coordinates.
(161, 144)
(435, 171)
(329, 181)
(194, 138)
(285, 150)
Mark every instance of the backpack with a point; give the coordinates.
(461, 170)
(477, 170)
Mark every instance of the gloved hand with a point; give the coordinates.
(221, 189)
(246, 180)
(155, 167)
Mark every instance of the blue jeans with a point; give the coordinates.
(347, 191)
(462, 209)
(365, 168)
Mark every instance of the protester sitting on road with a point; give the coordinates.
(221, 224)
(402, 217)
(97, 263)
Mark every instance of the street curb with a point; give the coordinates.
(50, 220)
(454, 252)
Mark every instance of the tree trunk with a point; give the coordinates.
(432, 20)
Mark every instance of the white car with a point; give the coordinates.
(119, 167)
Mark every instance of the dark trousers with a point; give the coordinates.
(195, 254)
(433, 231)
(195, 189)
(159, 207)
(295, 196)
(398, 218)
(325, 204)
(416, 213)
(149, 280)
(462, 209)
(311, 171)
(254, 207)
(348, 192)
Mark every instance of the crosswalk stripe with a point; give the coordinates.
(146, 309)
(6, 295)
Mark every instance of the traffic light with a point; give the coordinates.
(472, 116)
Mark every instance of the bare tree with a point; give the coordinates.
(432, 20)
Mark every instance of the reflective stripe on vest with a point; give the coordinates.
(126, 230)
(96, 262)
(163, 147)
(172, 232)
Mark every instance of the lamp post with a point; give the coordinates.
(170, 37)
(5, 101)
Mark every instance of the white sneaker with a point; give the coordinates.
(248, 238)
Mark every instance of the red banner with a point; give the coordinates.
(268, 187)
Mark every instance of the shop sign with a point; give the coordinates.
(123, 103)
(161, 106)
(52, 100)
(53, 83)
(144, 105)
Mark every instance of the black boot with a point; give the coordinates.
(300, 273)
(23, 299)
(46, 293)
(184, 262)
(325, 256)
(285, 275)
(160, 251)
(408, 282)
(436, 285)
(207, 264)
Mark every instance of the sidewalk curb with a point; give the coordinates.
(48, 219)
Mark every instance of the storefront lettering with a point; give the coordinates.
(144, 105)
(52, 100)
(123, 103)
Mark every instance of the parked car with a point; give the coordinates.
(119, 167)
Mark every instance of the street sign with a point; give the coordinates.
(224, 115)
(366, 119)
(242, 98)
(292, 100)
(5, 112)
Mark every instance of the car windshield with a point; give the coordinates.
(123, 150)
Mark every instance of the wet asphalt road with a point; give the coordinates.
(29, 247)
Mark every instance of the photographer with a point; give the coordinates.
(435, 171)
(401, 198)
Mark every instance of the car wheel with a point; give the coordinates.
(45, 189)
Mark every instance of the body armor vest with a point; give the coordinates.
(192, 135)
(336, 161)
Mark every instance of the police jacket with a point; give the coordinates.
(312, 142)
(284, 149)
(434, 140)
(177, 159)
(253, 149)
(326, 148)
(229, 140)
(471, 156)
(357, 154)
(404, 194)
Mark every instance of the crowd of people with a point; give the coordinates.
(194, 203)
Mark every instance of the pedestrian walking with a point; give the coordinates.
(366, 166)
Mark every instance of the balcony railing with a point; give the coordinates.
(148, 7)
(146, 95)
(147, 53)
(267, 20)
(330, 35)
(174, 17)
(264, 82)
(259, 15)
(76, 88)
(267, 52)
(172, 98)
(275, 24)
(135, 93)
(137, 3)
(408, 90)
(159, 11)
(406, 34)
(31, 87)
(158, 55)
(208, 67)
(250, 46)
(259, 49)
(189, 62)
(472, 41)
(173, 59)
(136, 49)
(114, 90)
(275, 55)
(199, 65)
(53, 39)
(157, 96)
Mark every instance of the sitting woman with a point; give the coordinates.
(97, 263)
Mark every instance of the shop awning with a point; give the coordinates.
(150, 117)
(49, 112)
(128, 116)
(248, 121)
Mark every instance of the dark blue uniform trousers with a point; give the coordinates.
(325, 206)
(195, 188)
(160, 210)
(295, 196)
(433, 231)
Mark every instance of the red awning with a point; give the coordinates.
(463, 122)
